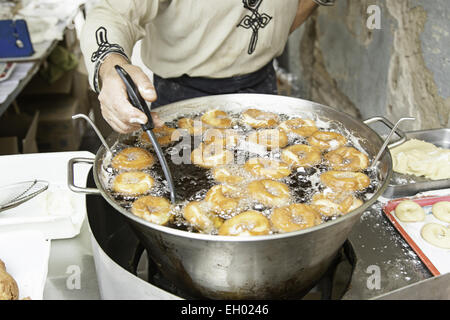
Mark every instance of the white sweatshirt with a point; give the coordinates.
(200, 38)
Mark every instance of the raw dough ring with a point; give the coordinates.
(294, 218)
(269, 192)
(270, 138)
(152, 209)
(132, 159)
(441, 210)
(249, 223)
(217, 119)
(267, 168)
(197, 214)
(133, 183)
(436, 234)
(259, 119)
(409, 211)
(211, 155)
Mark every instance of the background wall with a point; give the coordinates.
(401, 69)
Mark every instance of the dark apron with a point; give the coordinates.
(176, 89)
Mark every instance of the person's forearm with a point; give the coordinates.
(304, 10)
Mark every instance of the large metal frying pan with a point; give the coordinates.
(260, 267)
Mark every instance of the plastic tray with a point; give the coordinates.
(436, 259)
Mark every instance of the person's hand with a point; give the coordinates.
(115, 106)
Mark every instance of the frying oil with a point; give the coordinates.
(193, 182)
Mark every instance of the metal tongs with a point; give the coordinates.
(137, 101)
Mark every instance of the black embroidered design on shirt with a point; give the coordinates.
(103, 45)
(255, 21)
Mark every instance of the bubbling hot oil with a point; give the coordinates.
(193, 182)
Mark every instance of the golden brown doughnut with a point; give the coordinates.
(132, 158)
(270, 138)
(301, 155)
(211, 155)
(347, 159)
(152, 209)
(345, 180)
(226, 138)
(294, 218)
(267, 168)
(249, 223)
(132, 183)
(333, 204)
(229, 175)
(259, 119)
(269, 192)
(198, 215)
(195, 128)
(217, 119)
(326, 141)
(223, 198)
(163, 136)
(299, 127)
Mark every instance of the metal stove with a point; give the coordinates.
(374, 263)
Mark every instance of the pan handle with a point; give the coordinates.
(391, 126)
(71, 180)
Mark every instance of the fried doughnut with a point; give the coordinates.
(441, 210)
(211, 155)
(270, 138)
(259, 119)
(267, 168)
(133, 183)
(326, 141)
(201, 218)
(347, 159)
(223, 198)
(227, 138)
(249, 223)
(195, 128)
(269, 192)
(301, 155)
(163, 136)
(436, 234)
(217, 119)
(132, 159)
(228, 175)
(345, 180)
(152, 209)
(294, 218)
(333, 204)
(299, 127)
(409, 211)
